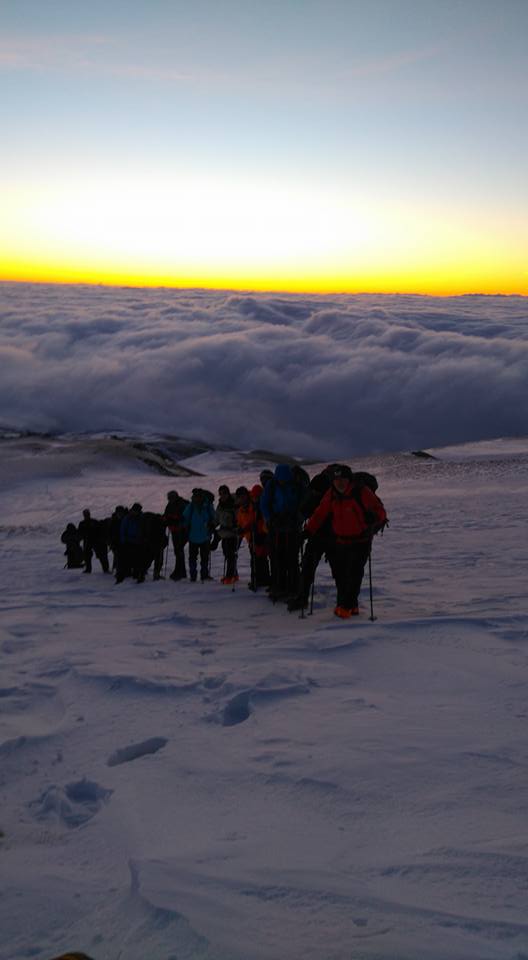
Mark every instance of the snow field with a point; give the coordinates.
(188, 772)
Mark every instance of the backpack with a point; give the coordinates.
(360, 480)
(364, 479)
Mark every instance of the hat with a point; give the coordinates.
(341, 470)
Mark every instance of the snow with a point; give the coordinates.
(189, 771)
(492, 449)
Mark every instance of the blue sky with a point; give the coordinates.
(414, 102)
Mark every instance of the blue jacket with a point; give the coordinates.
(280, 500)
(132, 529)
(199, 520)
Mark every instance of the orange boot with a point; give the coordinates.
(342, 612)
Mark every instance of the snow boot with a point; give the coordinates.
(343, 613)
(297, 603)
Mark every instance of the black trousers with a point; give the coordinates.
(203, 550)
(260, 571)
(229, 549)
(154, 556)
(131, 561)
(178, 542)
(101, 552)
(348, 566)
(284, 562)
(74, 557)
(314, 549)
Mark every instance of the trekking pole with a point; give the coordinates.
(252, 561)
(372, 617)
(235, 575)
(300, 585)
(166, 560)
(274, 574)
(311, 604)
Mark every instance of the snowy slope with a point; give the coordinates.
(190, 772)
(485, 449)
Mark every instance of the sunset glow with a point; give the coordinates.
(388, 182)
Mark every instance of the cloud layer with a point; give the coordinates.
(320, 376)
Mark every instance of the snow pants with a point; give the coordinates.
(260, 572)
(131, 562)
(229, 549)
(348, 564)
(203, 550)
(178, 542)
(74, 557)
(101, 552)
(314, 549)
(284, 562)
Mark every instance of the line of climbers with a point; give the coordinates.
(288, 521)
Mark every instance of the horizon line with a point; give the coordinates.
(260, 290)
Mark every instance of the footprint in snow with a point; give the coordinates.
(136, 750)
(73, 805)
(237, 710)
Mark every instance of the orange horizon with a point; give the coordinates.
(442, 290)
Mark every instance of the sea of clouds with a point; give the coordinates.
(319, 376)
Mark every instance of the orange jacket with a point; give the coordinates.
(251, 524)
(245, 519)
(356, 514)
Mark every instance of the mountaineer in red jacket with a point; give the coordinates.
(356, 515)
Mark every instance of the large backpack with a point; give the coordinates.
(364, 479)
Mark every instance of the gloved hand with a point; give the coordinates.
(378, 527)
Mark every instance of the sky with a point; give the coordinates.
(293, 145)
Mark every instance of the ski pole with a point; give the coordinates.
(372, 617)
